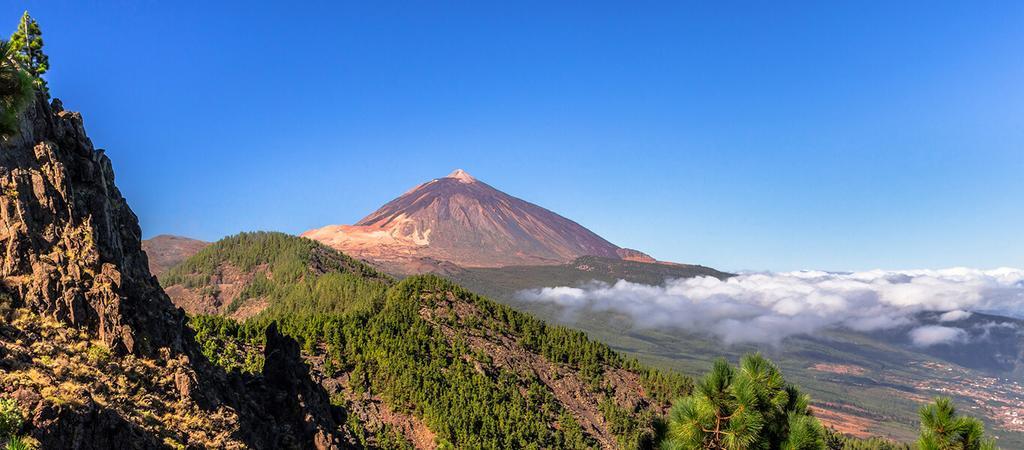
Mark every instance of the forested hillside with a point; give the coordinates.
(424, 361)
(242, 275)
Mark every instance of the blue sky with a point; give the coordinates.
(740, 135)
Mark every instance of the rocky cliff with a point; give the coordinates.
(91, 346)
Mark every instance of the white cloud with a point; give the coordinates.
(930, 335)
(955, 315)
(767, 307)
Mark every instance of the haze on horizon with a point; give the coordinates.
(832, 137)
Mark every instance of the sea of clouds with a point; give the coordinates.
(768, 307)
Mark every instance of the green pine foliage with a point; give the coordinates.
(943, 429)
(296, 275)
(749, 407)
(229, 344)
(27, 44)
(395, 353)
(389, 349)
(387, 337)
(16, 90)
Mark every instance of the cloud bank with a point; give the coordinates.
(930, 335)
(768, 307)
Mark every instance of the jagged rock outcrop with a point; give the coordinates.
(73, 269)
(72, 247)
(293, 394)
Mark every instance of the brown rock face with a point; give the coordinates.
(72, 252)
(295, 396)
(72, 247)
(166, 251)
(461, 220)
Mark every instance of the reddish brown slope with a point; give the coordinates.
(462, 220)
(166, 251)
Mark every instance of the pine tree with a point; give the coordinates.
(942, 429)
(15, 90)
(744, 409)
(27, 43)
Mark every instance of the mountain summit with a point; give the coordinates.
(462, 176)
(464, 221)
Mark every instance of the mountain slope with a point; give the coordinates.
(91, 349)
(865, 384)
(165, 251)
(424, 362)
(461, 220)
(241, 275)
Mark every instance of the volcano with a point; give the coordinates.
(463, 221)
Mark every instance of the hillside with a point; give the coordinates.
(463, 221)
(165, 251)
(865, 384)
(242, 275)
(425, 361)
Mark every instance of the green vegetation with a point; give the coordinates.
(416, 368)
(16, 90)
(943, 429)
(391, 349)
(748, 407)
(18, 443)
(416, 344)
(837, 441)
(229, 345)
(752, 407)
(872, 362)
(11, 419)
(11, 422)
(27, 46)
(294, 275)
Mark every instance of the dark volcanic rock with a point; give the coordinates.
(72, 247)
(295, 396)
(72, 252)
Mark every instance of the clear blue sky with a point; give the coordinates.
(741, 135)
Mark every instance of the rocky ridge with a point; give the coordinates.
(73, 271)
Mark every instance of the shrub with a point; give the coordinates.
(97, 354)
(19, 443)
(11, 419)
